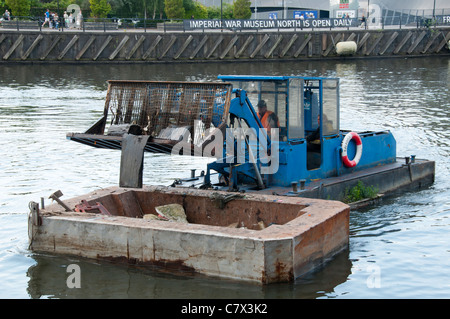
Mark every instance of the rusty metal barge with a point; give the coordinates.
(257, 238)
(266, 209)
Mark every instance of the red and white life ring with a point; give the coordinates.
(351, 136)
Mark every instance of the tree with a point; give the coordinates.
(188, 5)
(174, 9)
(214, 12)
(241, 9)
(158, 7)
(19, 8)
(100, 8)
(198, 11)
(155, 8)
(84, 4)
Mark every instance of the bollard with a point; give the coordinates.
(294, 187)
(302, 183)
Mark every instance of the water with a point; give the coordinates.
(398, 249)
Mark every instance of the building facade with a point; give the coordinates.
(380, 11)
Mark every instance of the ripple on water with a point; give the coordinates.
(402, 242)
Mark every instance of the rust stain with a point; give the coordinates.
(162, 264)
(283, 273)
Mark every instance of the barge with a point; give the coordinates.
(251, 237)
(267, 208)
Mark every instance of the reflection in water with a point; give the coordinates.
(95, 76)
(404, 236)
(48, 279)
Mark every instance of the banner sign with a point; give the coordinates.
(269, 24)
(306, 14)
(444, 20)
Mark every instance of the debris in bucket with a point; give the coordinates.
(261, 225)
(84, 207)
(221, 200)
(173, 212)
(154, 217)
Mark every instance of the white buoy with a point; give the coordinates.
(346, 48)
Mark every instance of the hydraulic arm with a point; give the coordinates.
(243, 144)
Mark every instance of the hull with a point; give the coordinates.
(386, 179)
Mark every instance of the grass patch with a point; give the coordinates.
(359, 192)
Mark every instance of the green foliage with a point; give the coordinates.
(151, 9)
(3, 7)
(84, 5)
(359, 192)
(174, 9)
(19, 7)
(100, 8)
(227, 12)
(62, 4)
(156, 8)
(198, 11)
(38, 8)
(241, 9)
(188, 5)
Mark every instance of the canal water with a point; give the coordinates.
(399, 248)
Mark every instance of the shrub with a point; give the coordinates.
(100, 8)
(19, 8)
(359, 192)
(242, 9)
(174, 9)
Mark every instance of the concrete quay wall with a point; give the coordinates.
(169, 47)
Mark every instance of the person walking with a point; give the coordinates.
(46, 18)
(71, 21)
(55, 21)
(363, 21)
(66, 19)
(79, 20)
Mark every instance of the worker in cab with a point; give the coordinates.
(313, 140)
(268, 119)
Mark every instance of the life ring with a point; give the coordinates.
(351, 136)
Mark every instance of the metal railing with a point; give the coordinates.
(105, 24)
(402, 21)
(144, 25)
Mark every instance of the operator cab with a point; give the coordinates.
(305, 106)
